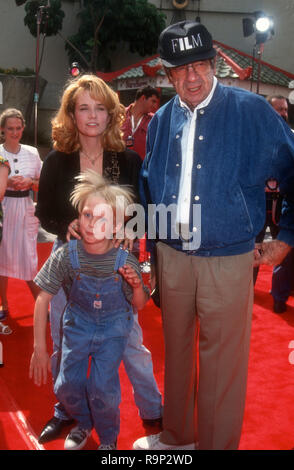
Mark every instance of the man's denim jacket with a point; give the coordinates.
(240, 142)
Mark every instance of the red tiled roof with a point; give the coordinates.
(231, 63)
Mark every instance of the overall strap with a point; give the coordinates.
(121, 258)
(73, 254)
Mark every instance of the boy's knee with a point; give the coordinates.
(105, 401)
(68, 390)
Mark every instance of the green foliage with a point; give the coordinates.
(19, 73)
(52, 17)
(106, 24)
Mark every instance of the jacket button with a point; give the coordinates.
(201, 137)
(196, 198)
(198, 166)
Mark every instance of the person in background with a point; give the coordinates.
(272, 192)
(4, 172)
(209, 151)
(283, 274)
(138, 116)
(86, 133)
(18, 249)
(280, 104)
(104, 284)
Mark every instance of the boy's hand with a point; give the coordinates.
(130, 275)
(39, 366)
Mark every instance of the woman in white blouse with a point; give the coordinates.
(18, 249)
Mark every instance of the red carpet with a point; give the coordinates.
(269, 416)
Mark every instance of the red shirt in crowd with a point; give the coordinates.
(135, 137)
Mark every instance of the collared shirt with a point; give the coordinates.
(187, 145)
(135, 136)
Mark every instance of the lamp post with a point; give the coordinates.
(42, 9)
(263, 27)
(39, 17)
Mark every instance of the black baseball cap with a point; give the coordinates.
(185, 42)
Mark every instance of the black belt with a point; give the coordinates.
(9, 193)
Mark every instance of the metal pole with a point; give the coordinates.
(260, 51)
(36, 94)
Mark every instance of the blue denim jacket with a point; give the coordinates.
(240, 142)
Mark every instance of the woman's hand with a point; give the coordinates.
(20, 183)
(127, 241)
(73, 230)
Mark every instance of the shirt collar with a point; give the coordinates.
(204, 103)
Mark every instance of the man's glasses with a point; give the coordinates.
(197, 67)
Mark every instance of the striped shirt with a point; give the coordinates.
(58, 272)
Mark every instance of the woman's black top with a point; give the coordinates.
(57, 181)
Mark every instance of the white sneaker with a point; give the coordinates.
(153, 443)
(76, 439)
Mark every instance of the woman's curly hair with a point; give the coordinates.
(65, 134)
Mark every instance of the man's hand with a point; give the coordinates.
(152, 277)
(271, 253)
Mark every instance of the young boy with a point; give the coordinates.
(103, 285)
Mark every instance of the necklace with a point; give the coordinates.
(10, 151)
(92, 160)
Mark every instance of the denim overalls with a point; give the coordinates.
(96, 323)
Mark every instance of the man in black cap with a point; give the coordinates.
(209, 152)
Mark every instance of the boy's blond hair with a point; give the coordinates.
(93, 184)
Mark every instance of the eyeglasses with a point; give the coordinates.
(197, 67)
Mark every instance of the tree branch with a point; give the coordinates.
(94, 54)
(76, 49)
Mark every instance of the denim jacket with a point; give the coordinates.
(240, 142)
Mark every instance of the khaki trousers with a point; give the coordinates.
(206, 302)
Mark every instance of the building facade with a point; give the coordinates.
(223, 19)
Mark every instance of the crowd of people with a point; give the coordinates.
(217, 153)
